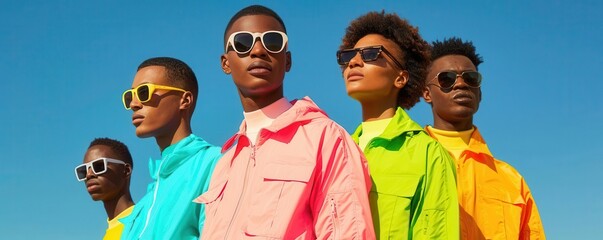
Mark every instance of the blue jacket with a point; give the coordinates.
(167, 211)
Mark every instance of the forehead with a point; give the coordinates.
(98, 151)
(256, 23)
(150, 74)
(457, 63)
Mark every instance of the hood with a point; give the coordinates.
(176, 154)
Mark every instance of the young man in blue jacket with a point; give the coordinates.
(162, 100)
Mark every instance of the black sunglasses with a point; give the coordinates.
(368, 54)
(447, 79)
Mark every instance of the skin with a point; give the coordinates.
(375, 84)
(258, 74)
(167, 115)
(111, 187)
(452, 109)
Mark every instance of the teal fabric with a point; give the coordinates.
(182, 174)
(414, 183)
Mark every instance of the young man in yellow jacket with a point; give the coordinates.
(495, 200)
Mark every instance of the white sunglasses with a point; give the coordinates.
(99, 166)
(243, 41)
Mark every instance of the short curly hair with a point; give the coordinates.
(119, 148)
(415, 50)
(455, 46)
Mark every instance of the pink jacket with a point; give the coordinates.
(304, 179)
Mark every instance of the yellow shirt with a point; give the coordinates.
(115, 227)
(372, 129)
(495, 201)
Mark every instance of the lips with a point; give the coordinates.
(92, 186)
(355, 76)
(259, 68)
(137, 119)
(463, 96)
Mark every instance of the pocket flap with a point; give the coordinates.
(398, 185)
(288, 172)
(212, 194)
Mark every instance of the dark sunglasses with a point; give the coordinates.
(447, 79)
(99, 166)
(242, 42)
(368, 54)
(144, 92)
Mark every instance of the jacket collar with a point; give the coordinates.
(302, 111)
(400, 124)
(175, 155)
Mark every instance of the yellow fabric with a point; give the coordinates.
(455, 142)
(372, 129)
(115, 227)
(495, 201)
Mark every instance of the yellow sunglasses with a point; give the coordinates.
(144, 92)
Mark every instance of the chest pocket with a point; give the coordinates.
(212, 198)
(277, 191)
(392, 204)
(500, 212)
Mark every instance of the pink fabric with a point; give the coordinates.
(304, 179)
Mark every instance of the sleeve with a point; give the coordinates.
(340, 201)
(438, 216)
(531, 224)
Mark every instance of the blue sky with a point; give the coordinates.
(64, 65)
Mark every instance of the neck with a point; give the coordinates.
(461, 125)
(183, 131)
(252, 103)
(115, 206)
(377, 110)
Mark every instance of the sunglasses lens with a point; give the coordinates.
(242, 42)
(473, 79)
(81, 172)
(446, 79)
(127, 99)
(273, 42)
(98, 166)
(370, 54)
(143, 93)
(344, 57)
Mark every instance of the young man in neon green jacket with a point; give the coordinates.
(162, 99)
(384, 62)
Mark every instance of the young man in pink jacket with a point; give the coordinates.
(290, 172)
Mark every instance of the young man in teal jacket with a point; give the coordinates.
(384, 61)
(162, 99)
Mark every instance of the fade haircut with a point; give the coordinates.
(253, 10)
(119, 148)
(415, 50)
(455, 46)
(179, 74)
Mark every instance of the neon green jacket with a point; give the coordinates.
(414, 183)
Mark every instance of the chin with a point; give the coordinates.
(141, 133)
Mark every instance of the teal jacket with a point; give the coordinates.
(414, 183)
(167, 211)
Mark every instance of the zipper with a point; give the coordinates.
(146, 223)
(335, 218)
(243, 192)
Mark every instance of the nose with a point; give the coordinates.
(89, 173)
(258, 48)
(356, 61)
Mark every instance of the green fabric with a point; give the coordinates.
(414, 183)
(182, 174)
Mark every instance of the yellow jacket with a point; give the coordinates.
(495, 201)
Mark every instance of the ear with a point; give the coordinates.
(225, 64)
(187, 100)
(128, 170)
(401, 80)
(288, 62)
(427, 94)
